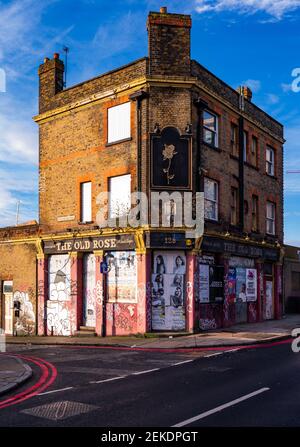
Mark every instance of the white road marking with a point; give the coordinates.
(221, 407)
(56, 391)
(145, 372)
(110, 380)
(213, 355)
(181, 363)
(233, 350)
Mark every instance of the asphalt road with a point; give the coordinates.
(121, 388)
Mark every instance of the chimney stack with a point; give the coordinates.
(245, 91)
(169, 43)
(51, 74)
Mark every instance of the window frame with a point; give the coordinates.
(245, 145)
(234, 206)
(214, 132)
(271, 219)
(234, 140)
(215, 202)
(271, 150)
(254, 215)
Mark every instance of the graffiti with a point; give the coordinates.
(208, 324)
(122, 317)
(189, 297)
(210, 316)
(25, 322)
(60, 320)
(252, 313)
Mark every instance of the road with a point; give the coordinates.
(98, 387)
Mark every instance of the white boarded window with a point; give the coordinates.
(118, 123)
(86, 201)
(119, 198)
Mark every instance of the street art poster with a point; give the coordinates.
(231, 284)
(122, 276)
(169, 262)
(168, 291)
(89, 290)
(269, 300)
(204, 283)
(216, 283)
(241, 296)
(251, 284)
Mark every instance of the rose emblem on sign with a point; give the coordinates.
(168, 153)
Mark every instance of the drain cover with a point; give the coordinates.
(58, 411)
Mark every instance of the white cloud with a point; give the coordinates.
(272, 98)
(275, 8)
(286, 87)
(253, 84)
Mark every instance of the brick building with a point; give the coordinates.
(109, 134)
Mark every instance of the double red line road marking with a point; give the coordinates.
(47, 377)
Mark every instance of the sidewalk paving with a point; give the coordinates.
(241, 334)
(13, 372)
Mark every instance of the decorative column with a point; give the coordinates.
(259, 269)
(228, 307)
(76, 304)
(278, 291)
(99, 292)
(42, 293)
(143, 290)
(191, 289)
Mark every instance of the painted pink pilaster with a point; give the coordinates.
(228, 307)
(278, 292)
(42, 295)
(191, 261)
(258, 266)
(99, 292)
(143, 307)
(76, 304)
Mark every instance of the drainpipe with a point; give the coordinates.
(201, 105)
(241, 173)
(138, 97)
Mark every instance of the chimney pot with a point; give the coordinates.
(163, 10)
(46, 59)
(56, 55)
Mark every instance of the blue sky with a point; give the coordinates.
(254, 42)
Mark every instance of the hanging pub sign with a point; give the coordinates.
(171, 161)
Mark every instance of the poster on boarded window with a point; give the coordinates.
(122, 276)
(204, 283)
(241, 296)
(231, 283)
(251, 284)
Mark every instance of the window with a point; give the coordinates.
(270, 219)
(210, 128)
(211, 199)
(118, 123)
(119, 197)
(86, 202)
(234, 206)
(234, 140)
(254, 213)
(254, 145)
(295, 281)
(270, 158)
(245, 136)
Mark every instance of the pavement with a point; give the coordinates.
(240, 334)
(13, 373)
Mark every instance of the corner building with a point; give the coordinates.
(109, 134)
